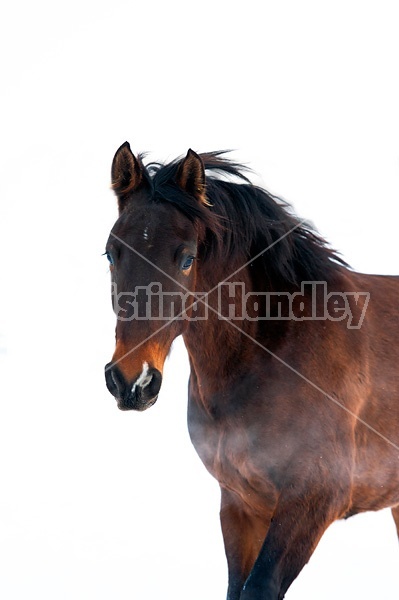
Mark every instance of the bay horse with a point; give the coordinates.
(293, 401)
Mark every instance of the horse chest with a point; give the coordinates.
(227, 453)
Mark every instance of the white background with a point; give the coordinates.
(97, 504)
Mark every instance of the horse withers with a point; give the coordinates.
(294, 386)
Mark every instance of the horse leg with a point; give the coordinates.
(395, 514)
(296, 528)
(243, 536)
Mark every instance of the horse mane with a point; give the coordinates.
(247, 221)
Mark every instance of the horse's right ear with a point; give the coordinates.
(126, 173)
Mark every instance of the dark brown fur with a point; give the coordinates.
(298, 420)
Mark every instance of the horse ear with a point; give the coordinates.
(126, 173)
(191, 176)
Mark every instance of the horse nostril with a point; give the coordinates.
(115, 381)
(155, 384)
(148, 383)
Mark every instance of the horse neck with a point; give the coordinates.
(220, 348)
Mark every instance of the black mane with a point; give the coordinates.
(246, 220)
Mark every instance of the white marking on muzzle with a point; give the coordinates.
(144, 379)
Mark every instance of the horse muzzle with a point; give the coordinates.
(139, 394)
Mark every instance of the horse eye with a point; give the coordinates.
(187, 263)
(110, 259)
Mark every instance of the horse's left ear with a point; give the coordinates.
(191, 176)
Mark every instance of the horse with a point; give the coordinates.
(293, 399)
